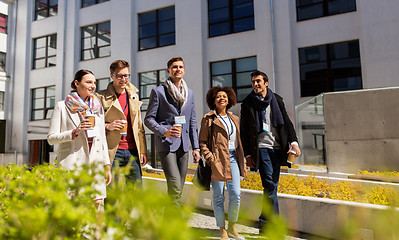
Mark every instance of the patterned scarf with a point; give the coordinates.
(178, 95)
(76, 104)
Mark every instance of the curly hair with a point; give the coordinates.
(211, 96)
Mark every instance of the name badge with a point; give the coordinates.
(180, 120)
(266, 127)
(94, 132)
(232, 146)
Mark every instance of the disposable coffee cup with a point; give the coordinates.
(179, 126)
(92, 119)
(124, 129)
(291, 156)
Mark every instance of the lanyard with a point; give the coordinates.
(231, 124)
(127, 102)
(88, 103)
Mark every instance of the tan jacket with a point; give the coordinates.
(113, 111)
(219, 156)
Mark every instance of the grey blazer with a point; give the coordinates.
(160, 117)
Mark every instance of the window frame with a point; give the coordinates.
(47, 56)
(158, 82)
(47, 10)
(234, 74)
(231, 19)
(2, 97)
(96, 2)
(96, 48)
(5, 59)
(45, 108)
(3, 29)
(329, 59)
(102, 79)
(157, 22)
(325, 8)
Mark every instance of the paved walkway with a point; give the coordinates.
(204, 220)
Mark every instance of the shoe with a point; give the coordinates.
(239, 237)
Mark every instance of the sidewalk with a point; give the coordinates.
(204, 220)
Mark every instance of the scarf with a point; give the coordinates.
(76, 104)
(260, 104)
(179, 97)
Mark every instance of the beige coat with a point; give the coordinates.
(219, 156)
(113, 111)
(73, 153)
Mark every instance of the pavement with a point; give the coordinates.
(204, 220)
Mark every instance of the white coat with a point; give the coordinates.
(73, 153)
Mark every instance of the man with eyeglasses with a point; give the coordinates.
(125, 130)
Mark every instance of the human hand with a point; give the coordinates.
(296, 148)
(143, 159)
(172, 132)
(83, 125)
(116, 125)
(108, 174)
(196, 156)
(250, 161)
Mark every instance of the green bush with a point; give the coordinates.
(47, 202)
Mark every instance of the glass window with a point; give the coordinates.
(235, 73)
(2, 62)
(102, 83)
(96, 41)
(3, 23)
(310, 9)
(148, 81)
(86, 3)
(45, 51)
(230, 16)
(43, 102)
(328, 68)
(157, 28)
(45, 8)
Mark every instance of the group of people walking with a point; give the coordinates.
(260, 140)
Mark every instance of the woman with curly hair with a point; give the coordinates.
(221, 147)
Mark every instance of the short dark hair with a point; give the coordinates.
(257, 73)
(211, 96)
(175, 59)
(118, 65)
(79, 75)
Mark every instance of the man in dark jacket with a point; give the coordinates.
(267, 136)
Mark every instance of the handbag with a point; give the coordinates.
(202, 175)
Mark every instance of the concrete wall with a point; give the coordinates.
(362, 130)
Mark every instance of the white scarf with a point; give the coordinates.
(178, 95)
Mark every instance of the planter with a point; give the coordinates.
(317, 216)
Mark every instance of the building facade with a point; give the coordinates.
(306, 48)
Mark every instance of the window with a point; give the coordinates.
(96, 41)
(3, 23)
(43, 101)
(310, 9)
(329, 68)
(45, 51)
(230, 16)
(45, 8)
(102, 83)
(1, 101)
(86, 3)
(157, 28)
(235, 73)
(148, 81)
(2, 62)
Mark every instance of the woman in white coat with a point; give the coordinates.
(79, 142)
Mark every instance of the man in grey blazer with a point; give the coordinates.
(172, 105)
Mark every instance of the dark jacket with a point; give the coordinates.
(249, 133)
(219, 156)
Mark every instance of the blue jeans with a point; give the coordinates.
(269, 169)
(234, 191)
(122, 158)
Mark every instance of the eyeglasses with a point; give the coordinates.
(121, 76)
